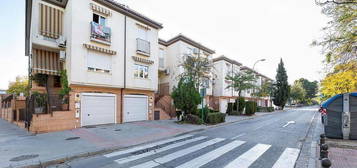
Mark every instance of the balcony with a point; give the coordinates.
(100, 33)
(143, 47)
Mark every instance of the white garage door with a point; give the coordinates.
(135, 108)
(223, 104)
(98, 109)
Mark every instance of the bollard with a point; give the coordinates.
(326, 163)
(322, 139)
(324, 151)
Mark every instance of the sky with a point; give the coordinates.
(242, 30)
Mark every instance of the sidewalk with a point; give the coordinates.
(342, 153)
(20, 148)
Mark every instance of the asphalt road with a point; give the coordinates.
(276, 140)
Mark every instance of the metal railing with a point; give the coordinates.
(100, 32)
(143, 46)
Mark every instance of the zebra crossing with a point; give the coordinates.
(198, 151)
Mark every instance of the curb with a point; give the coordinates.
(112, 149)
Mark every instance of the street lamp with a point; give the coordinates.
(261, 60)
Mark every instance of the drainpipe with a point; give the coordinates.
(122, 95)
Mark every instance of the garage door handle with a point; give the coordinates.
(88, 114)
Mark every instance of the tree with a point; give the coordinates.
(298, 92)
(311, 88)
(19, 86)
(282, 89)
(337, 83)
(185, 96)
(339, 43)
(266, 89)
(197, 68)
(241, 81)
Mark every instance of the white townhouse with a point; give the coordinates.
(171, 54)
(111, 56)
(224, 66)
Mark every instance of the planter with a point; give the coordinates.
(39, 110)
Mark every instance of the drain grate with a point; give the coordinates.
(117, 130)
(90, 127)
(23, 157)
(72, 138)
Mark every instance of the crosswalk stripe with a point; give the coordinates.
(139, 156)
(287, 159)
(146, 146)
(180, 153)
(247, 158)
(204, 159)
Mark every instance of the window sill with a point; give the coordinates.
(100, 72)
(100, 41)
(148, 79)
(143, 53)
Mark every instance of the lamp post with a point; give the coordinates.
(261, 60)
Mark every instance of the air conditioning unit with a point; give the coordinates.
(196, 51)
(167, 71)
(61, 42)
(62, 55)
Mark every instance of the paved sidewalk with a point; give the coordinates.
(20, 148)
(342, 153)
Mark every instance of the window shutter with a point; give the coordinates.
(51, 22)
(99, 61)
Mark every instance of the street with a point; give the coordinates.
(275, 140)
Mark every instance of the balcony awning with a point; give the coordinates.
(143, 60)
(101, 10)
(45, 62)
(100, 49)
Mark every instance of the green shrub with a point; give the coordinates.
(214, 118)
(250, 107)
(193, 119)
(229, 108)
(205, 111)
(241, 106)
(270, 109)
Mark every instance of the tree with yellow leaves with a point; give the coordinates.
(337, 83)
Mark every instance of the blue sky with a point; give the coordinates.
(242, 30)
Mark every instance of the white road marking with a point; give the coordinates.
(204, 159)
(139, 156)
(238, 136)
(180, 153)
(146, 146)
(288, 123)
(247, 158)
(287, 159)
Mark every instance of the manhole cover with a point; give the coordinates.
(72, 138)
(117, 130)
(23, 157)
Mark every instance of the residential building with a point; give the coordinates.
(110, 54)
(172, 54)
(13, 109)
(260, 80)
(224, 66)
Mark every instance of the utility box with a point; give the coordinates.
(341, 116)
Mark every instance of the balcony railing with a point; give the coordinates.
(100, 32)
(143, 46)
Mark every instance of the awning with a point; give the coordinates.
(45, 62)
(143, 60)
(100, 49)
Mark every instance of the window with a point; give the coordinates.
(141, 71)
(99, 63)
(189, 51)
(162, 58)
(142, 34)
(99, 19)
(57, 81)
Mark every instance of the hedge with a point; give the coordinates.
(265, 109)
(214, 118)
(250, 107)
(193, 119)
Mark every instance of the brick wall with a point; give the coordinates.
(61, 120)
